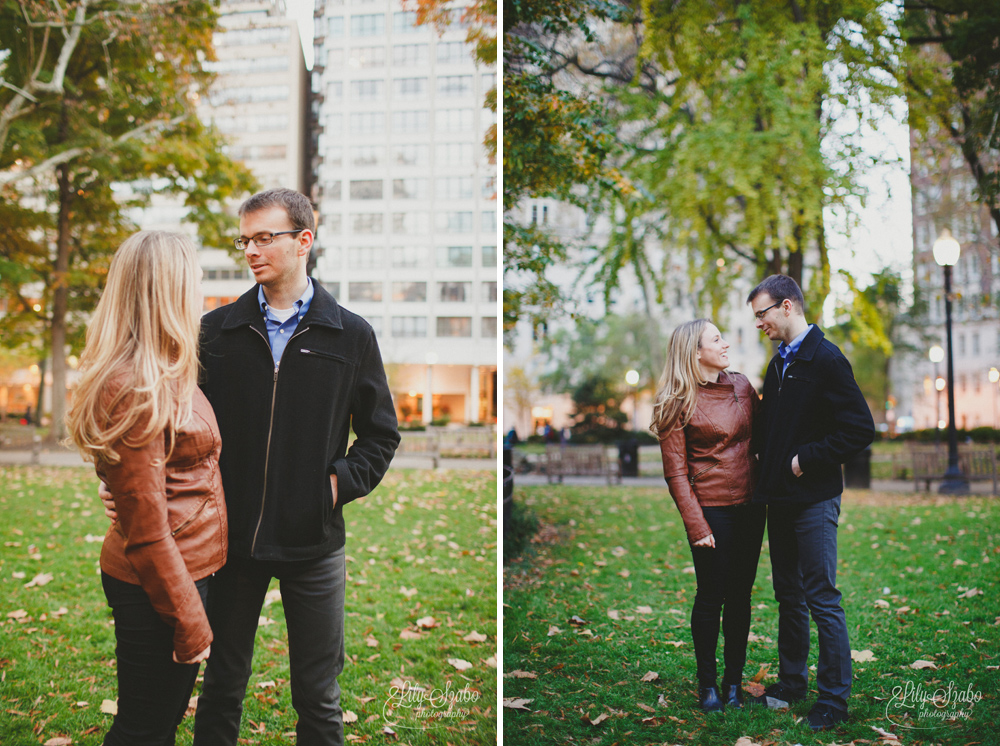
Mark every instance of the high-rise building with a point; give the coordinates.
(944, 197)
(407, 233)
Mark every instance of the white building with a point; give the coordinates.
(407, 233)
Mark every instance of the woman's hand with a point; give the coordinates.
(109, 502)
(203, 655)
(708, 541)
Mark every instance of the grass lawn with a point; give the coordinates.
(421, 547)
(604, 596)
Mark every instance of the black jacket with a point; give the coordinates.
(817, 412)
(285, 430)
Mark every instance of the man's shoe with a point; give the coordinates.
(709, 700)
(734, 695)
(777, 697)
(824, 717)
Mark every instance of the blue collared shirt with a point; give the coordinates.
(789, 351)
(278, 331)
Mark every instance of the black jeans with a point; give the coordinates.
(725, 577)
(153, 691)
(312, 594)
(803, 541)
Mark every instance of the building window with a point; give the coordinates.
(365, 292)
(409, 326)
(365, 57)
(331, 223)
(489, 80)
(409, 55)
(453, 52)
(454, 256)
(368, 123)
(366, 222)
(245, 66)
(367, 90)
(366, 189)
(265, 123)
(455, 120)
(489, 256)
(409, 122)
(409, 87)
(489, 187)
(454, 292)
(367, 155)
(454, 187)
(365, 257)
(454, 222)
(333, 288)
(411, 155)
(454, 326)
(368, 25)
(409, 188)
(335, 92)
(454, 85)
(409, 292)
(411, 223)
(409, 256)
(404, 22)
(489, 327)
(961, 345)
(490, 292)
(332, 190)
(255, 37)
(455, 154)
(489, 221)
(975, 343)
(248, 94)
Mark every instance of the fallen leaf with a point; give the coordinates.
(650, 676)
(42, 578)
(553, 630)
(662, 701)
(959, 563)
(577, 620)
(654, 720)
(491, 661)
(18, 614)
(886, 735)
(192, 707)
(919, 664)
(265, 684)
(881, 603)
(109, 707)
(59, 741)
(409, 634)
(460, 664)
(387, 731)
(613, 614)
(644, 609)
(475, 637)
(645, 708)
(371, 642)
(60, 611)
(595, 721)
(619, 551)
(689, 570)
(350, 717)
(970, 593)
(745, 741)
(408, 592)
(427, 622)
(518, 674)
(861, 656)
(761, 673)
(675, 643)
(271, 596)
(513, 703)
(264, 621)
(624, 573)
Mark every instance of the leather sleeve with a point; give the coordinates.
(138, 484)
(673, 449)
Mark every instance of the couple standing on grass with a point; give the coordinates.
(733, 462)
(223, 445)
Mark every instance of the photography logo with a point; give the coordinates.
(413, 706)
(917, 707)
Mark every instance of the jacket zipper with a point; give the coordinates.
(191, 519)
(743, 415)
(781, 378)
(270, 428)
(708, 468)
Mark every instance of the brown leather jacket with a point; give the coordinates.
(710, 461)
(171, 528)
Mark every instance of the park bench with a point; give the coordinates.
(975, 464)
(436, 444)
(580, 461)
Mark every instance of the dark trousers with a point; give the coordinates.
(803, 541)
(153, 691)
(725, 577)
(312, 594)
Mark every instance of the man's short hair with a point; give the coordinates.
(297, 205)
(780, 288)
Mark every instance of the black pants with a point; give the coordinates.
(312, 594)
(725, 577)
(153, 691)
(803, 541)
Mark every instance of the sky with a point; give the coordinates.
(302, 12)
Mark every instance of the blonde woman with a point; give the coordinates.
(139, 416)
(703, 417)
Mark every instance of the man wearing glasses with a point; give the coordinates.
(813, 419)
(289, 373)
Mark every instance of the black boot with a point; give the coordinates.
(734, 695)
(709, 700)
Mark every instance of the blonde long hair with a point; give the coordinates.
(677, 393)
(142, 348)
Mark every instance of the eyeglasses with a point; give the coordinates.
(261, 239)
(760, 314)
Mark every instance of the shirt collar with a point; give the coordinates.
(302, 303)
(793, 347)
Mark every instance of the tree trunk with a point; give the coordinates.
(60, 303)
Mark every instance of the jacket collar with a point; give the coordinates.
(323, 311)
(810, 344)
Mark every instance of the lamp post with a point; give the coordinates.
(632, 378)
(936, 354)
(946, 252)
(994, 377)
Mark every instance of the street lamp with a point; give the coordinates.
(946, 252)
(632, 378)
(936, 354)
